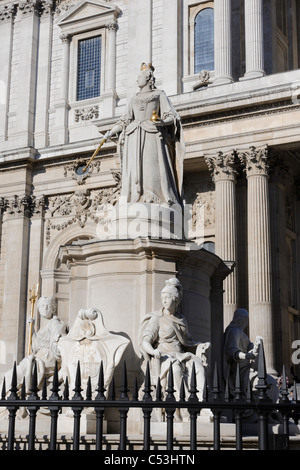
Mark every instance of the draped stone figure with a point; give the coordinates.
(44, 350)
(151, 146)
(238, 348)
(164, 339)
(89, 343)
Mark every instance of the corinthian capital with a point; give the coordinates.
(7, 12)
(29, 6)
(255, 160)
(222, 166)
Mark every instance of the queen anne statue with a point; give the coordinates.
(151, 146)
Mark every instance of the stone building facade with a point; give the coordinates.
(231, 69)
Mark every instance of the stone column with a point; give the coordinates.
(28, 15)
(279, 175)
(139, 39)
(16, 220)
(60, 132)
(43, 77)
(223, 169)
(109, 95)
(171, 47)
(256, 162)
(35, 255)
(223, 43)
(6, 24)
(254, 39)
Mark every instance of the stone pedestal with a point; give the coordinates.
(130, 221)
(124, 279)
(65, 424)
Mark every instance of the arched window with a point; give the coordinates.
(204, 40)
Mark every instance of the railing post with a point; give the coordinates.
(54, 409)
(238, 412)
(170, 411)
(216, 411)
(32, 409)
(193, 409)
(147, 411)
(12, 409)
(100, 410)
(123, 410)
(77, 409)
(285, 413)
(262, 400)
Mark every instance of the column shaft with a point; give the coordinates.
(223, 43)
(259, 251)
(60, 132)
(223, 169)
(254, 39)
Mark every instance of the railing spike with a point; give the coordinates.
(135, 395)
(13, 388)
(3, 392)
(193, 386)
(147, 388)
(101, 389)
(78, 389)
(34, 383)
(66, 389)
(89, 389)
(158, 390)
(113, 389)
(170, 389)
(182, 390)
(261, 373)
(238, 390)
(23, 390)
(44, 389)
(124, 388)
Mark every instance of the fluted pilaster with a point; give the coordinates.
(223, 43)
(254, 39)
(223, 170)
(256, 162)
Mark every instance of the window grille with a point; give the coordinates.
(89, 68)
(204, 40)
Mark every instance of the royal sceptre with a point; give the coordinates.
(94, 154)
(33, 294)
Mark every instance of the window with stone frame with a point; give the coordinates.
(204, 40)
(89, 68)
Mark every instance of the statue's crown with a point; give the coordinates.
(145, 66)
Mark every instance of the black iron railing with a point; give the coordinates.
(214, 399)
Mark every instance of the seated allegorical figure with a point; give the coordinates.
(44, 350)
(239, 349)
(164, 339)
(90, 343)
